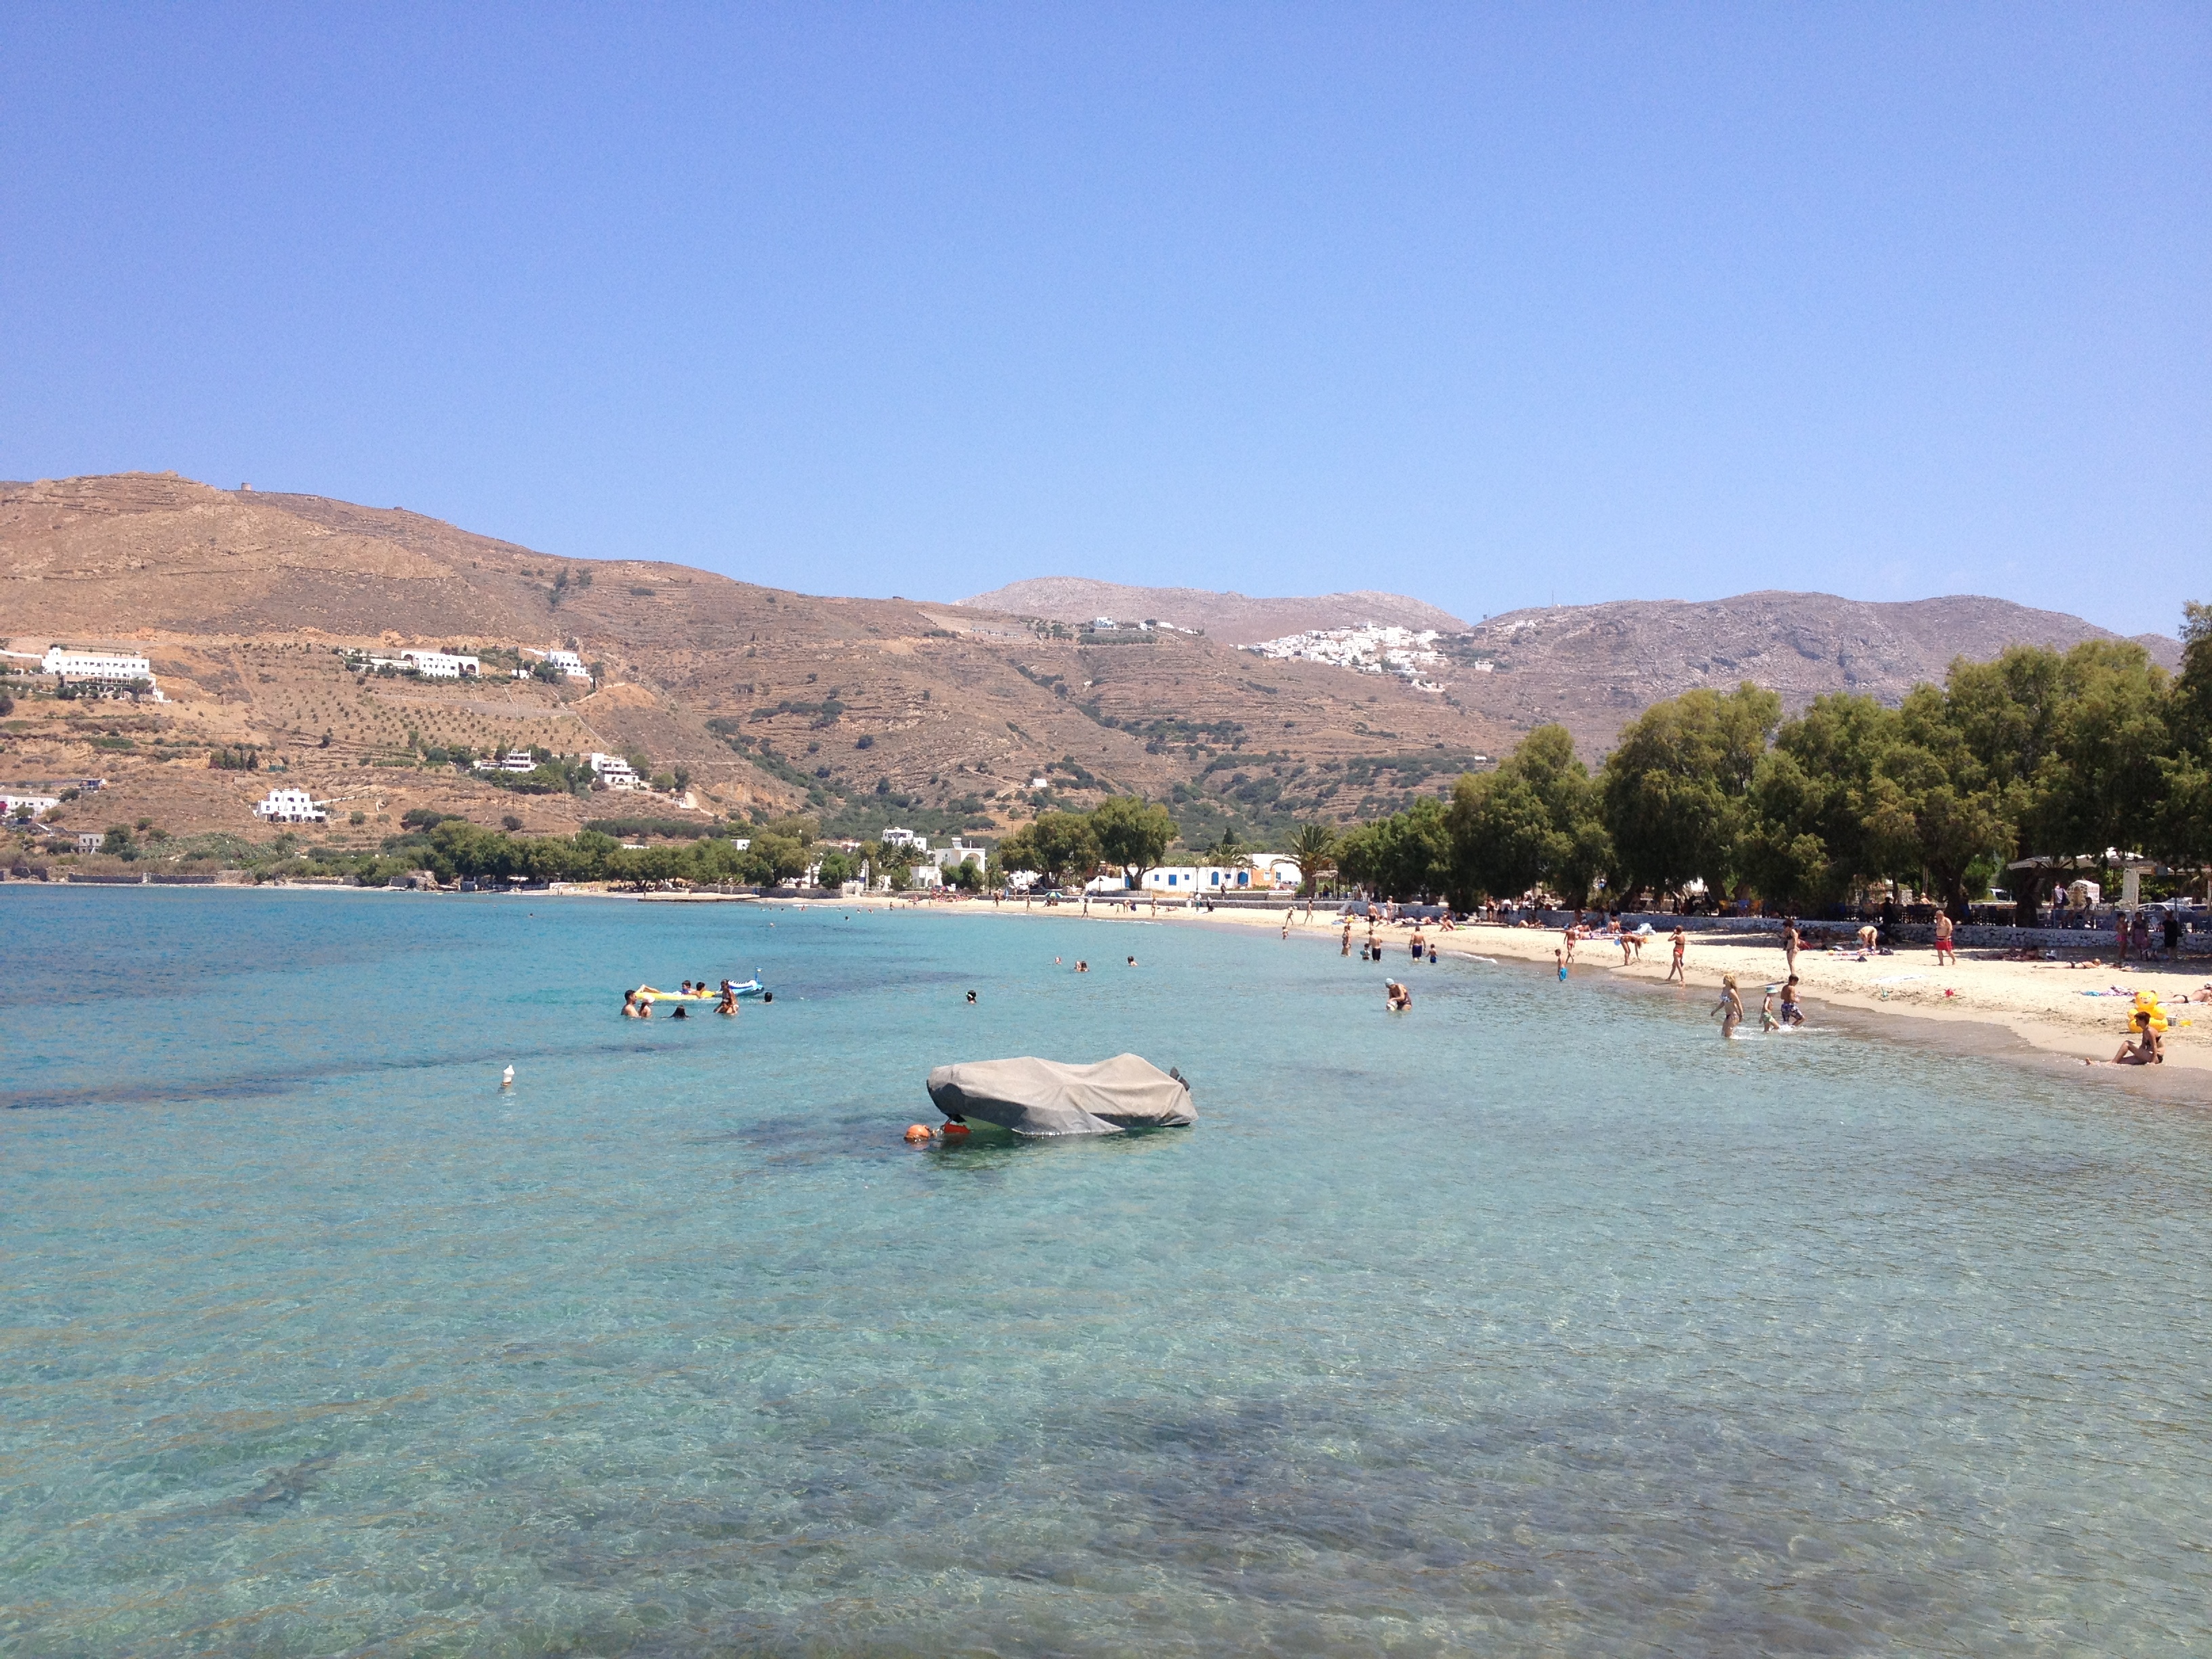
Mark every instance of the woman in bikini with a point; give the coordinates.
(1731, 1006)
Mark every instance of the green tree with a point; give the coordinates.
(1055, 845)
(1534, 821)
(1674, 788)
(2181, 833)
(1806, 838)
(1131, 832)
(1406, 856)
(1502, 839)
(774, 859)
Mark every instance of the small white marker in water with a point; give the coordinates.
(506, 1078)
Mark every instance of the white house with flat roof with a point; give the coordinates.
(895, 836)
(615, 772)
(290, 806)
(72, 663)
(569, 663)
(14, 805)
(441, 664)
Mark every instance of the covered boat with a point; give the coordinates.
(1032, 1096)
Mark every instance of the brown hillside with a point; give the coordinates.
(854, 709)
(1232, 618)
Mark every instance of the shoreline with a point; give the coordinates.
(2028, 1013)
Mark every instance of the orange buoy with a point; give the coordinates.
(918, 1132)
(956, 1129)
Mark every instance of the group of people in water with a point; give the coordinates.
(1778, 1007)
(638, 1004)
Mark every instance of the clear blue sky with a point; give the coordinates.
(1485, 305)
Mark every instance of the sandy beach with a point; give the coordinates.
(2034, 1012)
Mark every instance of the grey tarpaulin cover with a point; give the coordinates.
(1035, 1097)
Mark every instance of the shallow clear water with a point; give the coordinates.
(1537, 1322)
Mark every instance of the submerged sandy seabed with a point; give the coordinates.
(2035, 1012)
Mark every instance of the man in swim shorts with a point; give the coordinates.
(1791, 1014)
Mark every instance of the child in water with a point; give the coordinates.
(1768, 1021)
(1559, 958)
(1791, 1014)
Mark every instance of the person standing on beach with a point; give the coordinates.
(1945, 956)
(1789, 943)
(1675, 975)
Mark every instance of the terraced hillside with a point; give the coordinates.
(762, 701)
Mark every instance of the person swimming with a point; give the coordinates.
(629, 1005)
(971, 998)
(1396, 999)
(680, 1013)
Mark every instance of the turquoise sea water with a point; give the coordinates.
(1537, 1321)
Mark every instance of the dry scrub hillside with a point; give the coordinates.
(857, 709)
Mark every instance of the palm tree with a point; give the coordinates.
(1313, 849)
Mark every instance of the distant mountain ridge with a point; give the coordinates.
(1593, 667)
(1233, 618)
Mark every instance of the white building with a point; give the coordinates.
(615, 772)
(895, 836)
(1102, 624)
(119, 665)
(36, 806)
(518, 759)
(88, 841)
(569, 663)
(1204, 879)
(290, 806)
(440, 665)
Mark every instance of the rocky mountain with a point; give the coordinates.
(862, 712)
(1232, 618)
(1594, 667)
